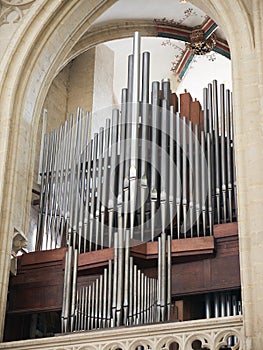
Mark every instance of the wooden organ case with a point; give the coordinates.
(138, 223)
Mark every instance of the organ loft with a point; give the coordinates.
(137, 222)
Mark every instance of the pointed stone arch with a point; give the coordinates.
(39, 47)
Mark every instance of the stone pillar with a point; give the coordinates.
(248, 92)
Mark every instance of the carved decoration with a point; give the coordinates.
(12, 11)
(19, 245)
(199, 45)
(212, 334)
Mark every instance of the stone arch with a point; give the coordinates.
(37, 50)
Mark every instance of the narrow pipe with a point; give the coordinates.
(178, 175)
(93, 191)
(223, 152)
(184, 168)
(171, 168)
(74, 290)
(191, 178)
(197, 186)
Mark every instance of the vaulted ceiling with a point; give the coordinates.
(172, 22)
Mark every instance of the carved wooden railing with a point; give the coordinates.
(212, 334)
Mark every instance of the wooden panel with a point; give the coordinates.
(43, 257)
(180, 248)
(200, 265)
(185, 105)
(38, 285)
(174, 101)
(95, 259)
(216, 273)
(226, 230)
(37, 292)
(195, 112)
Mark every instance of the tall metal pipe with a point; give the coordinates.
(93, 191)
(178, 174)
(223, 152)
(217, 159)
(197, 171)
(154, 154)
(229, 156)
(105, 179)
(184, 169)
(171, 168)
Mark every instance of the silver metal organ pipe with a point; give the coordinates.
(154, 154)
(130, 306)
(96, 303)
(216, 301)
(208, 305)
(223, 153)
(191, 178)
(93, 190)
(164, 165)
(159, 286)
(229, 156)
(109, 305)
(100, 308)
(113, 165)
(145, 76)
(217, 160)
(126, 279)
(204, 180)
(105, 178)
(171, 168)
(178, 175)
(163, 276)
(169, 276)
(205, 97)
(92, 316)
(98, 202)
(223, 304)
(233, 157)
(135, 294)
(120, 269)
(74, 289)
(87, 200)
(128, 141)
(133, 171)
(209, 184)
(144, 136)
(83, 160)
(105, 289)
(139, 286)
(197, 178)
(115, 282)
(184, 169)
(121, 163)
(166, 92)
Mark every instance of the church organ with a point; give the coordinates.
(140, 218)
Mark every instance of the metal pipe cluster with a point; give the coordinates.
(149, 170)
(222, 304)
(218, 124)
(149, 174)
(122, 295)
